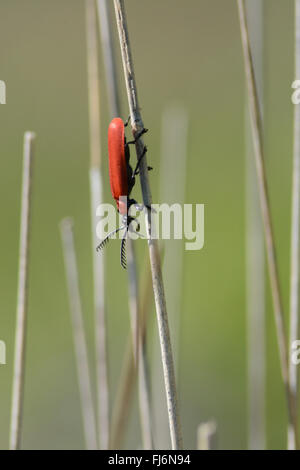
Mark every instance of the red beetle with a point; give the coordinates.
(120, 172)
(121, 177)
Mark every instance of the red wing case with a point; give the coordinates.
(117, 162)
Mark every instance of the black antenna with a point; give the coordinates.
(123, 249)
(123, 242)
(108, 237)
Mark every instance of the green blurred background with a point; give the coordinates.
(187, 53)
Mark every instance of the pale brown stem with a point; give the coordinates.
(128, 377)
(205, 435)
(22, 300)
(295, 231)
(138, 344)
(158, 288)
(96, 200)
(108, 56)
(80, 347)
(256, 124)
(255, 254)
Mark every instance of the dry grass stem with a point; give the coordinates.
(205, 435)
(129, 372)
(138, 344)
(162, 318)
(139, 348)
(174, 145)
(295, 232)
(108, 56)
(256, 124)
(22, 299)
(255, 254)
(96, 200)
(82, 363)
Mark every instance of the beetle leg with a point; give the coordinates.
(142, 132)
(139, 161)
(138, 227)
(149, 169)
(141, 207)
(127, 122)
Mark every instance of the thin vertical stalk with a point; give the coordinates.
(144, 397)
(255, 254)
(133, 296)
(158, 288)
(205, 435)
(83, 373)
(108, 56)
(22, 299)
(93, 84)
(256, 124)
(174, 133)
(96, 199)
(295, 230)
(129, 372)
(138, 342)
(122, 403)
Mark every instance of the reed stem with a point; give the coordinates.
(22, 299)
(129, 372)
(138, 343)
(139, 348)
(255, 253)
(158, 288)
(82, 363)
(295, 232)
(96, 199)
(205, 435)
(173, 154)
(109, 58)
(256, 124)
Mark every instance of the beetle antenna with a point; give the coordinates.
(108, 237)
(123, 249)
